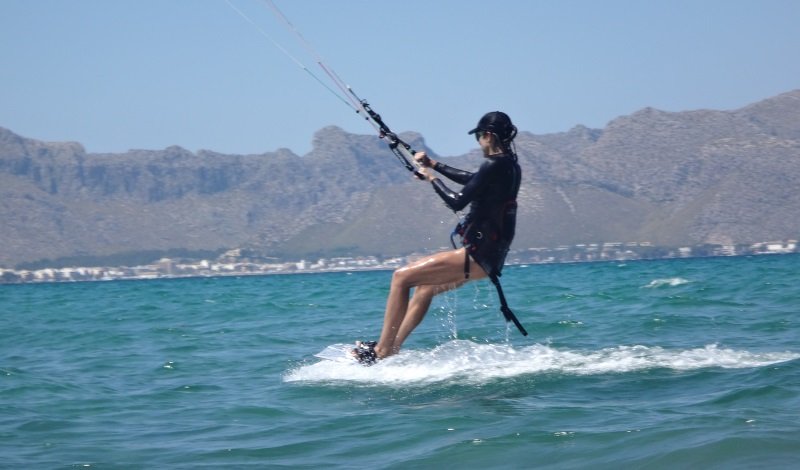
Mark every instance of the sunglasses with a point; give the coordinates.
(479, 134)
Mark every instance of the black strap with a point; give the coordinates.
(507, 313)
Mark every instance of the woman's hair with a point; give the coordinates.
(499, 124)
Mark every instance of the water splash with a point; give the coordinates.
(462, 361)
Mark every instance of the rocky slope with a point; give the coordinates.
(670, 178)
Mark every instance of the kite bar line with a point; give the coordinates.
(401, 150)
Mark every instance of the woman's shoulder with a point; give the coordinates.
(499, 162)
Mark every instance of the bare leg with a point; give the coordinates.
(434, 273)
(418, 307)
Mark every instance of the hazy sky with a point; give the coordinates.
(147, 74)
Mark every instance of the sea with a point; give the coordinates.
(690, 363)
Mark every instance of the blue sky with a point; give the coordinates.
(146, 74)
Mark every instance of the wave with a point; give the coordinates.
(464, 361)
(670, 282)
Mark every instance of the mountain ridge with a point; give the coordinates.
(670, 178)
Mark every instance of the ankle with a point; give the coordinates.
(382, 352)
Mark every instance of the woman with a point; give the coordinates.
(486, 234)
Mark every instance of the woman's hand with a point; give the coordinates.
(424, 160)
(427, 173)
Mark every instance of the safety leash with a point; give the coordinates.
(507, 313)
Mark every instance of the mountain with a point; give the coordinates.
(669, 178)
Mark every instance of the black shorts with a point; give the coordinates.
(490, 255)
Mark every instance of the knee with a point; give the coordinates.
(425, 291)
(400, 279)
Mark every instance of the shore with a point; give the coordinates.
(233, 264)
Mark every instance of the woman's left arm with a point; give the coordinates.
(460, 200)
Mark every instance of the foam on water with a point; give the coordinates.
(462, 361)
(670, 282)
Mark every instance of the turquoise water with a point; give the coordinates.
(658, 364)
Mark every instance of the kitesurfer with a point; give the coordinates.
(486, 234)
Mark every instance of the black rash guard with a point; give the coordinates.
(491, 192)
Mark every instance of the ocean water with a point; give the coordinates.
(653, 364)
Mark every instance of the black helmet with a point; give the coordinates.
(499, 124)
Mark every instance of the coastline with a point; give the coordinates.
(231, 263)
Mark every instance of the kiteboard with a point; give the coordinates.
(339, 352)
